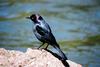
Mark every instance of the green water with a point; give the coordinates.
(75, 24)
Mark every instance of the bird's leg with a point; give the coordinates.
(41, 45)
(46, 47)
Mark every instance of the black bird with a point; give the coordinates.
(44, 34)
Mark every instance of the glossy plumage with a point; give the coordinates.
(44, 34)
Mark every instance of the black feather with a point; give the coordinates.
(40, 30)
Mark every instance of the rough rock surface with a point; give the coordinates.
(31, 58)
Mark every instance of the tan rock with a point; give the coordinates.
(31, 58)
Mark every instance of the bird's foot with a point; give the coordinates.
(45, 48)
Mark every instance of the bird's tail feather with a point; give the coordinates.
(63, 56)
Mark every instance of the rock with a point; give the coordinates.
(31, 58)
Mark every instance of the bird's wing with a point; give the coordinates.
(48, 26)
(41, 30)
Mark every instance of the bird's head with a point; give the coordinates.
(36, 18)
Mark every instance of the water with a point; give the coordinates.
(75, 24)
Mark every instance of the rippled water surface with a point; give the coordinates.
(75, 24)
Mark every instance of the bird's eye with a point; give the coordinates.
(40, 18)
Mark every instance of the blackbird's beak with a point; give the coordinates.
(28, 17)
